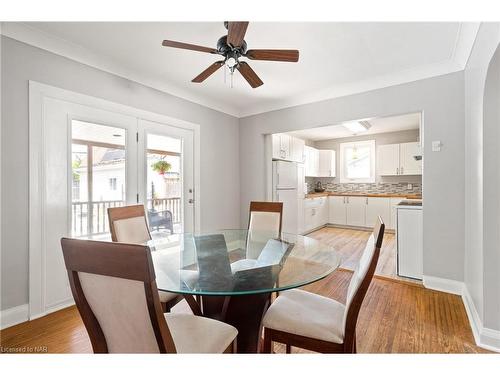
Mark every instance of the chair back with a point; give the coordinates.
(128, 224)
(264, 223)
(114, 288)
(361, 279)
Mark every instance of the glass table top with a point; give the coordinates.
(237, 262)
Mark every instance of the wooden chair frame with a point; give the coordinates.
(127, 212)
(127, 261)
(349, 344)
(266, 207)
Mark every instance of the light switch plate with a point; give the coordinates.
(409, 187)
(436, 146)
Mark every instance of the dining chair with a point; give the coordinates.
(264, 223)
(313, 322)
(114, 287)
(129, 224)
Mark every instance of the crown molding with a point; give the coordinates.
(456, 62)
(40, 39)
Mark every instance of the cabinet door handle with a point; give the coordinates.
(347, 199)
(366, 200)
(397, 170)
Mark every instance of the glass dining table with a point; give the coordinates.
(230, 275)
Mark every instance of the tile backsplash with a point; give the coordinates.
(383, 187)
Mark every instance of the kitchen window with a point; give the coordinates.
(357, 162)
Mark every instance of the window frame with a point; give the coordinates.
(343, 166)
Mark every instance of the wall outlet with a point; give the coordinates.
(409, 186)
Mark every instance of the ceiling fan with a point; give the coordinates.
(232, 47)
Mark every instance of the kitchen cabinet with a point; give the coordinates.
(315, 213)
(312, 161)
(378, 206)
(286, 147)
(356, 211)
(337, 210)
(394, 203)
(297, 150)
(326, 163)
(347, 210)
(281, 146)
(399, 159)
(388, 160)
(408, 164)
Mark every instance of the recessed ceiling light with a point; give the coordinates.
(357, 126)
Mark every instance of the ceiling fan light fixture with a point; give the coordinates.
(231, 62)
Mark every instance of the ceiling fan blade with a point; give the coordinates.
(248, 73)
(192, 47)
(236, 33)
(208, 72)
(291, 55)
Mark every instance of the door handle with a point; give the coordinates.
(191, 200)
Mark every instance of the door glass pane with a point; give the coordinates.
(164, 183)
(98, 163)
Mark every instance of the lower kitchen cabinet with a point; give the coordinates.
(356, 211)
(394, 203)
(315, 212)
(337, 214)
(375, 207)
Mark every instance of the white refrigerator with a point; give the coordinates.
(288, 187)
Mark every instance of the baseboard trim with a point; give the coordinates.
(485, 338)
(15, 315)
(443, 285)
(54, 308)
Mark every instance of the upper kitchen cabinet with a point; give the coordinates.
(286, 147)
(408, 155)
(281, 146)
(388, 160)
(312, 161)
(319, 163)
(326, 163)
(297, 150)
(399, 159)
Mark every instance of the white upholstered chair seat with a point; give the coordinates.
(195, 334)
(181, 307)
(307, 314)
(167, 296)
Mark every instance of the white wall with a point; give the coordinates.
(442, 101)
(477, 152)
(380, 139)
(20, 63)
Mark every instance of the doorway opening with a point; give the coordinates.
(346, 175)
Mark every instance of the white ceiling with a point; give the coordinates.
(378, 125)
(335, 58)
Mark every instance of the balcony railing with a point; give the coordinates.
(82, 226)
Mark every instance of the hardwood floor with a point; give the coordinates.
(396, 317)
(350, 244)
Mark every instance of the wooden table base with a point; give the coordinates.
(243, 312)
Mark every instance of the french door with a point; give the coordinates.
(166, 176)
(85, 159)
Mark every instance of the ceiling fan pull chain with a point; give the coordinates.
(232, 74)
